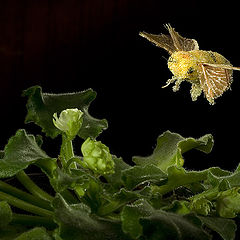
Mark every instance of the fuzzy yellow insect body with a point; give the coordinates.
(186, 65)
(207, 71)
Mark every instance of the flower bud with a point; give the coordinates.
(228, 203)
(201, 206)
(97, 156)
(69, 122)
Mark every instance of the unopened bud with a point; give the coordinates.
(97, 156)
(69, 121)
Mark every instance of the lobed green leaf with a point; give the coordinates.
(137, 175)
(37, 233)
(21, 151)
(163, 225)
(226, 228)
(115, 179)
(178, 176)
(77, 223)
(131, 215)
(41, 107)
(171, 146)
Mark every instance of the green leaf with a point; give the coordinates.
(226, 228)
(79, 180)
(131, 214)
(42, 106)
(178, 176)
(215, 182)
(201, 202)
(37, 233)
(123, 197)
(218, 175)
(228, 203)
(138, 175)
(21, 151)
(1, 154)
(77, 223)
(11, 232)
(115, 179)
(218, 172)
(63, 180)
(91, 187)
(163, 225)
(233, 179)
(171, 146)
(5, 214)
(178, 206)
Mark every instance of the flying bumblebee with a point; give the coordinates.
(208, 72)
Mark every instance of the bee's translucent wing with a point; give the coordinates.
(173, 42)
(162, 41)
(215, 79)
(224, 66)
(181, 43)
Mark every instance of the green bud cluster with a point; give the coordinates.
(97, 156)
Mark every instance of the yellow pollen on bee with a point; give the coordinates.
(181, 62)
(180, 65)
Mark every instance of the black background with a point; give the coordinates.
(70, 45)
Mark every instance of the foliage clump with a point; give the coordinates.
(99, 196)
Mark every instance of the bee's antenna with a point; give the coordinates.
(164, 58)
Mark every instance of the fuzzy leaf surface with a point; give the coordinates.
(226, 228)
(41, 107)
(37, 233)
(137, 175)
(77, 223)
(178, 176)
(171, 146)
(115, 179)
(163, 225)
(21, 151)
(131, 214)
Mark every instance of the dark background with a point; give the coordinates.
(70, 45)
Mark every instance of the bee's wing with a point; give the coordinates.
(181, 43)
(215, 79)
(162, 41)
(173, 42)
(224, 66)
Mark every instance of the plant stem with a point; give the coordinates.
(24, 196)
(66, 154)
(32, 187)
(69, 197)
(32, 221)
(66, 151)
(24, 205)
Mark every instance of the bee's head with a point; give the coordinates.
(182, 65)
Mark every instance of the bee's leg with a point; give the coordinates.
(195, 91)
(169, 81)
(177, 84)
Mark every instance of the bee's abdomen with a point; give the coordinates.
(218, 58)
(214, 58)
(210, 57)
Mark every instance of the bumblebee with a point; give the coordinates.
(208, 72)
